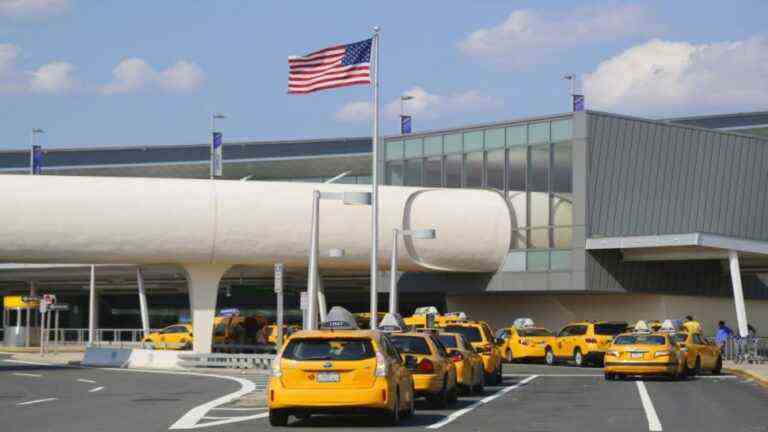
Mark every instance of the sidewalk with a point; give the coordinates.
(33, 356)
(757, 372)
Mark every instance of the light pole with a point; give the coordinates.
(32, 148)
(313, 275)
(424, 234)
(216, 146)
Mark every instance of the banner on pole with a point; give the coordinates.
(578, 102)
(37, 159)
(217, 155)
(405, 124)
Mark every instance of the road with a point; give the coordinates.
(532, 398)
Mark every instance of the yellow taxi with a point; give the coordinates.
(432, 368)
(644, 352)
(173, 337)
(469, 365)
(700, 353)
(271, 332)
(584, 342)
(523, 341)
(479, 334)
(339, 369)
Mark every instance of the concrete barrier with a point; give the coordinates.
(131, 358)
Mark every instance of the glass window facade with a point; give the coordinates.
(531, 163)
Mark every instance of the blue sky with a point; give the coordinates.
(106, 73)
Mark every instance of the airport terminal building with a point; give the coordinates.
(613, 217)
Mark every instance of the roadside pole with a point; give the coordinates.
(56, 333)
(304, 305)
(279, 269)
(43, 308)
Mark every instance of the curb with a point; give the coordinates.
(749, 375)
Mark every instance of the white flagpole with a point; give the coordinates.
(375, 181)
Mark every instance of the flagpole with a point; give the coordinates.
(375, 181)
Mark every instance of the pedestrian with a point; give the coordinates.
(691, 325)
(722, 335)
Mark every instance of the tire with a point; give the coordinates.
(609, 376)
(510, 356)
(697, 367)
(411, 408)
(549, 357)
(453, 395)
(686, 372)
(393, 418)
(578, 358)
(278, 418)
(479, 388)
(718, 366)
(499, 375)
(440, 400)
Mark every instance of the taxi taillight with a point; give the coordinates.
(426, 366)
(523, 341)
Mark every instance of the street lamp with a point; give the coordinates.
(216, 151)
(422, 234)
(321, 300)
(348, 198)
(32, 145)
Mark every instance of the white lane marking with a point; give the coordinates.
(241, 409)
(27, 375)
(654, 425)
(453, 416)
(95, 389)
(87, 381)
(555, 375)
(36, 401)
(28, 362)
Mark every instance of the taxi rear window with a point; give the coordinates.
(329, 349)
(679, 337)
(448, 341)
(411, 345)
(640, 340)
(610, 329)
(471, 333)
(534, 332)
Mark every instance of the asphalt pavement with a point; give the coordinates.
(532, 398)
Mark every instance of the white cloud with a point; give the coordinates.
(354, 112)
(679, 76)
(54, 77)
(183, 76)
(423, 104)
(8, 55)
(133, 74)
(527, 36)
(16, 8)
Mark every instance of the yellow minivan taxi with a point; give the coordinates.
(434, 374)
(469, 365)
(585, 342)
(644, 354)
(479, 334)
(700, 354)
(521, 344)
(339, 369)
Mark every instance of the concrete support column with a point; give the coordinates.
(142, 302)
(738, 292)
(203, 281)
(93, 309)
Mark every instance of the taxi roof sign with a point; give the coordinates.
(642, 327)
(522, 323)
(339, 318)
(426, 310)
(669, 326)
(392, 323)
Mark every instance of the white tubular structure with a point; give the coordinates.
(194, 223)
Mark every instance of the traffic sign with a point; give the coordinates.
(59, 307)
(27, 299)
(304, 301)
(279, 269)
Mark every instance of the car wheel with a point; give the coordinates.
(499, 375)
(697, 367)
(411, 407)
(480, 386)
(609, 376)
(686, 371)
(440, 400)
(453, 395)
(549, 357)
(393, 417)
(278, 418)
(718, 366)
(578, 358)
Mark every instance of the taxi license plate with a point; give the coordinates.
(636, 355)
(328, 377)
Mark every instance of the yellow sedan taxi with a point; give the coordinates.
(644, 353)
(469, 365)
(584, 342)
(479, 334)
(173, 337)
(339, 369)
(700, 354)
(434, 374)
(522, 343)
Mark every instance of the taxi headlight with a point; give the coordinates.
(381, 365)
(613, 353)
(277, 371)
(661, 353)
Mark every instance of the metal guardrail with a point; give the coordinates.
(261, 362)
(104, 336)
(747, 350)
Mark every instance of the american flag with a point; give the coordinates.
(337, 66)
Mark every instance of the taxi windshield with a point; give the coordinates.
(448, 340)
(411, 345)
(534, 332)
(471, 333)
(640, 340)
(610, 329)
(329, 349)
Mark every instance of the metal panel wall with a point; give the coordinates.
(646, 177)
